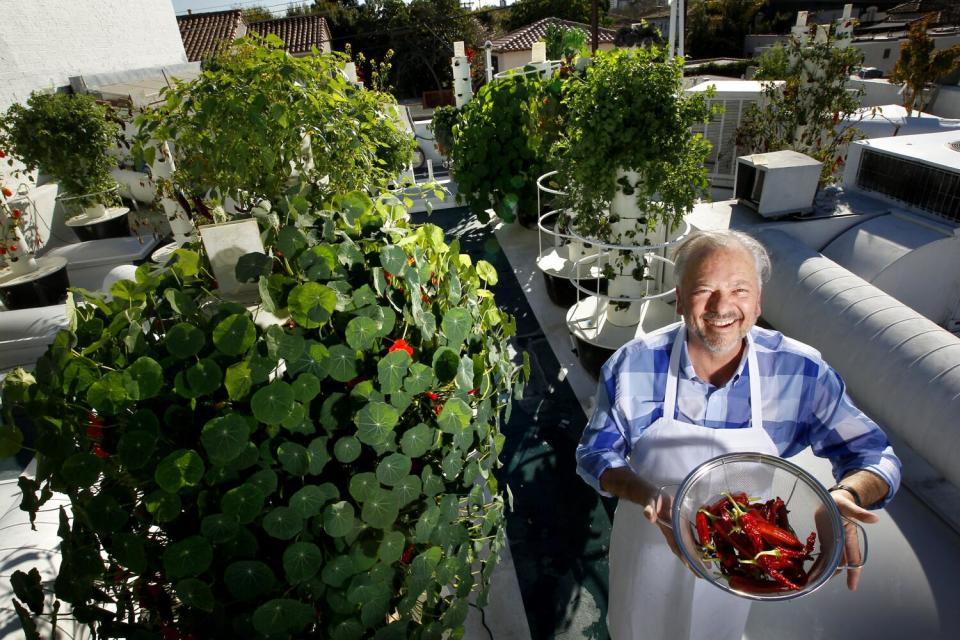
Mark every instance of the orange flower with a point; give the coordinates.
(3, 154)
(401, 345)
(6, 191)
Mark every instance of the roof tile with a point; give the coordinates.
(202, 32)
(523, 38)
(299, 34)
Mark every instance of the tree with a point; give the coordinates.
(716, 28)
(921, 65)
(524, 12)
(257, 13)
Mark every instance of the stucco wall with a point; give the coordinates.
(45, 42)
(514, 59)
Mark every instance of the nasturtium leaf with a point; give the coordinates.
(346, 449)
(291, 241)
(296, 420)
(135, 448)
(225, 437)
(486, 272)
(360, 333)
(319, 456)
(308, 501)
(238, 380)
(432, 484)
(282, 617)
(353, 205)
(391, 546)
(417, 441)
(318, 262)
(393, 259)
(311, 304)
(380, 510)
(235, 334)
(373, 611)
(105, 514)
(128, 549)
(219, 527)
(426, 523)
(456, 326)
(148, 376)
(393, 468)
(451, 465)
(375, 421)
(302, 561)
(271, 404)
(287, 346)
(456, 615)
(261, 367)
(265, 480)
(294, 458)
(364, 296)
(337, 571)
(407, 490)
(252, 266)
(244, 503)
(184, 340)
(342, 363)
(338, 519)
(419, 379)
(248, 579)
(424, 320)
(305, 387)
(196, 594)
(181, 469)
(314, 359)
(391, 370)
(465, 375)
(182, 304)
(386, 321)
(463, 440)
(363, 485)
(334, 411)
(202, 378)
(188, 557)
(446, 362)
(111, 393)
(163, 506)
(455, 416)
(283, 523)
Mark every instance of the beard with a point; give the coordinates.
(719, 344)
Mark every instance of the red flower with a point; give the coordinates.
(431, 395)
(473, 392)
(13, 247)
(94, 431)
(407, 556)
(6, 191)
(3, 250)
(100, 452)
(16, 213)
(401, 345)
(3, 154)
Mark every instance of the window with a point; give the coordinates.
(886, 53)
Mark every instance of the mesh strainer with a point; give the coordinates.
(764, 477)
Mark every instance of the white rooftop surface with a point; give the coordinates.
(733, 86)
(928, 148)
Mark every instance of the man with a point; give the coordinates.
(710, 385)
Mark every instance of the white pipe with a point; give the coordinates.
(672, 30)
(681, 10)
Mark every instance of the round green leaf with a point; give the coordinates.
(252, 266)
(105, 514)
(319, 457)
(380, 509)
(391, 547)
(419, 380)
(361, 332)
(363, 485)
(407, 490)
(219, 527)
(148, 376)
(293, 458)
(342, 363)
(128, 550)
(393, 259)
(248, 579)
(81, 469)
(291, 241)
(486, 272)
(446, 362)
(234, 334)
(189, 557)
(391, 370)
(455, 416)
(314, 360)
(295, 421)
(271, 404)
(182, 468)
(285, 345)
(243, 502)
(136, 447)
(375, 421)
(238, 380)
(196, 594)
(224, 438)
(203, 378)
(311, 304)
(306, 387)
(417, 441)
(456, 325)
(302, 561)
(162, 505)
(111, 393)
(265, 481)
(184, 340)
(336, 572)
(451, 465)
(393, 469)
(338, 519)
(283, 523)
(347, 449)
(348, 630)
(309, 500)
(282, 617)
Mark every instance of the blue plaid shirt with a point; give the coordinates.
(804, 405)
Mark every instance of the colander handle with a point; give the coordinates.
(664, 496)
(861, 534)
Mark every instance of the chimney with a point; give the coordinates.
(189, 12)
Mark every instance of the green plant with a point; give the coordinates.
(239, 128)
(920, 65)
(628, 114)
(811, 111)
(330, 476)
(67, 136)
(564, 42)
(495, 159)
(444, 118)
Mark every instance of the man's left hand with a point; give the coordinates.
(851, 551)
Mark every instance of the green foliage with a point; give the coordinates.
(257, 13)
(526, 12)
(628, 113)
(496, 160)
(732, 69)
(772, 63)
(808, 112)
(563, 42)
(239, 127)
(444, 119)
(716, 28)
(327, 477)
(67, 136)
(920, 65)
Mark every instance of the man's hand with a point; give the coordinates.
(851, 548)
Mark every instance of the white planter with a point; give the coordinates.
(180, 224)
(95, 211)
(225, 243)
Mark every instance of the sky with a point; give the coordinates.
(278, 6)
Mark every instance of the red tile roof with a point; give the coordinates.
(299, 34)
(522, 39)
(202, 32)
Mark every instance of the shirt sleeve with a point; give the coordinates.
(603, 444)
(840, 432)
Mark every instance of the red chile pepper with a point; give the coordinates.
(703, 528)
(771, 533)
(753, 585)
(808, 547)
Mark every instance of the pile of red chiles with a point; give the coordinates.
(753, 544)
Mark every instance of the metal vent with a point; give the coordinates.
(721, 132)
(954, 146)
(919, 185)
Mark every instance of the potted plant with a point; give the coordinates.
(442, 123)
(331, 476)
(68, 137)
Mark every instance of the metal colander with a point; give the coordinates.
(763, 477)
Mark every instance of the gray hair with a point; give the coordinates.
(698, 241)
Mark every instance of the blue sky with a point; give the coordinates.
(181, 6)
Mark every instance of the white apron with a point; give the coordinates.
(653, 596)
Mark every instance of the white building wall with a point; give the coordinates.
(45, 42)
(514, 59)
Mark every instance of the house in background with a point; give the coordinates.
(202, 33)
(515, 49)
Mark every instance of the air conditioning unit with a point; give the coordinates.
(735, 96)
(778, 183)
(919, 172)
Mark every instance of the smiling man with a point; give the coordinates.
(710, 385)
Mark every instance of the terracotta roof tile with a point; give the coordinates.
(202, 32)
(523, 38)
(299, 34)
